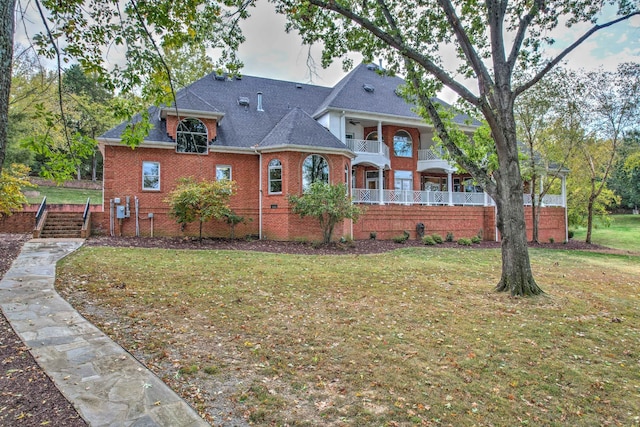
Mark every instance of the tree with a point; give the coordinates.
(625, 179)
(89, 31)
(492, 39)
(200, 201)
(12, 180)
(328, 203)
(611, 111)
(549, 128)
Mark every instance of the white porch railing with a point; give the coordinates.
(430, 154)
(366, 146)
(547, 200)
(437, 198)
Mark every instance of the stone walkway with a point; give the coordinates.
(107, 386)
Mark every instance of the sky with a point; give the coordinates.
(270, 52)
(281, 56)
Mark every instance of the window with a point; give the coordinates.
(223, 172)
(314, 168)
(151, 176)
(403, 180)
(275, 176)
(372, 136)
(191, 137)
(402, 144)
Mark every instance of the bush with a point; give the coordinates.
(428, 240)
(437, 238)
(449, 237)
(464, 241)
(570, 233)
(373, 235)
(476, 239)
(400, 239)
(551, 240)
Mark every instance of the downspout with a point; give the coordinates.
(259, 192)
(111, 225)
(137, 207)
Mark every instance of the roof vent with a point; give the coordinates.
(372, 67)
(368, 88)
(243, 101)
(220, 77)
(260, 102)
(238, 76)
(298, 86)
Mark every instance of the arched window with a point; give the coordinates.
(314, 168)
(402, 144)
(275, 176)
(372, 136)
(192, 137)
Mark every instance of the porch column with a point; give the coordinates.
(564, 190)
(450, 186)
(343, 128)
(380, 150)
(380, 185)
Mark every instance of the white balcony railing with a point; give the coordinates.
(430, 154)
(437, 198)
(363, 146)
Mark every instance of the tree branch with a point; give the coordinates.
(522, 31)
(568, 50)
(438, 72)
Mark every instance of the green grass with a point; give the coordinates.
(412, 337)
(62, 195)
(623, 233)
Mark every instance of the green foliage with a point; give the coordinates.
(401, 239)
(200, 201)
(570, 233)
(233, 219)
(449, 237)
(428, 240)
(328, 203)
(476, 240)
(437, 238)
(463, 241)
(373, 235)
(12, 180)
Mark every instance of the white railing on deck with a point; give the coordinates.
(430, 154)
(437, 198)
(366, 146)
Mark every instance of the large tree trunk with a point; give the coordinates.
(589, 219)
(517, 277)
(7, 9)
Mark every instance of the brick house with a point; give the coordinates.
(275, 137)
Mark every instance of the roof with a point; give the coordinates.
(244, 125)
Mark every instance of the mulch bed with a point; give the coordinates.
(28, 397)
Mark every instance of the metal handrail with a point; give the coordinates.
(41, 210)
(86, 210)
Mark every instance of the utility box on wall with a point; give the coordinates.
(120, 212)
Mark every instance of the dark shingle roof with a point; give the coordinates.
(365, 89)
(300, 129)
(244, 126)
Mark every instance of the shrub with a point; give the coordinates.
(570, 233)
(428, 240)
(449, 237)
(373, 235)
(464, 241)
(399, 239)
(437, 238)
(476, 239)
(551, 240)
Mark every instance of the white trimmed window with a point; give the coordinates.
(223, 172)
(151, 176)
(192, 137)
(314, 168)
(402, 144)
(275, 176)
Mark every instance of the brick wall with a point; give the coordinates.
(18, 222)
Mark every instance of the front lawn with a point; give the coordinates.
(622, 233)
(411, 337)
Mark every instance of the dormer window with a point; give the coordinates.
(192, 137)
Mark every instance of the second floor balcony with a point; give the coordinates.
(370, 152)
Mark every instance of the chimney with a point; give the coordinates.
(260, 101)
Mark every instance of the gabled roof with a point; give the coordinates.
(299, 129)
(366, 89)
(242, 125)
